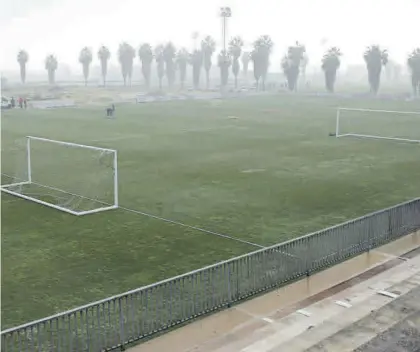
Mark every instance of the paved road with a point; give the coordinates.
(403, 336)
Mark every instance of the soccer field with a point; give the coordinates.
(251, 172)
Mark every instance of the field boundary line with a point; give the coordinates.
(120, 138)
(142, 135)
(192, 227)
(233, 238)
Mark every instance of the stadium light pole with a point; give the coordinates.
(225, 13)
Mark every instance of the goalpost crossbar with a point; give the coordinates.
(69, 144)
(338, 133)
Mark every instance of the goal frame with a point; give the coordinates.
(105, 207)
(337, 125)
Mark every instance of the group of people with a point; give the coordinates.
(22, 102)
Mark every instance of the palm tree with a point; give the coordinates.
(208, 46)
(103, 55)
(291, 64)
(196, 60)
(85, 58)
(246, 57)
(146, 58)
(224, 62)
(182, 61)
(160, 61)
(375, 58)
(330, 65)
(255, 57)
(413, 63)
(169, 54)
(51, 65)
(261, 58)
(22, 59)
(235, 50)
(126, 54)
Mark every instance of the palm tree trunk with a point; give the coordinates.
(207, 79)
(236, 82)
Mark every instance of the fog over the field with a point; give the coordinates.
(63, 27)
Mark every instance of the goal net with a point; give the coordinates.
(70, 177)
(379, 124)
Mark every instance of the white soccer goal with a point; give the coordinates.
(74, 178)
(379, 124)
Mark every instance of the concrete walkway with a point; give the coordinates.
(340, 309)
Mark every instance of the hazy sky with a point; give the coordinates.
(63, 27)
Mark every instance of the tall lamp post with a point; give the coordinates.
(225, 13)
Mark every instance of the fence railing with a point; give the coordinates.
(116, 321)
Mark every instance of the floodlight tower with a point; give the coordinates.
(225, 13)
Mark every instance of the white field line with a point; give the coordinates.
(120, 138)
(142, 135)
(192, 227)
(171, 221)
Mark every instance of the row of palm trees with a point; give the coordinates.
(169, 61)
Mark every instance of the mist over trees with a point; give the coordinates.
(246, 58)
(146, 58)
(235, 50)
(196, 61)
(413, 63)
(261, 59)
(160, 63)
(173, 63)
(224, 62)
(208, 47)
(85, 58)
(51, 65)
(182, 58)
(375, 58)
(104, 55)
(291, 64)
(22, 59)
(330, 65)
(126, 54)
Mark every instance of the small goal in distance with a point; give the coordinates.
(74, 178)
(401, 126)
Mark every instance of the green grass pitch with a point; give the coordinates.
(269, 174)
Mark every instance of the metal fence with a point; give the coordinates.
(116, 321)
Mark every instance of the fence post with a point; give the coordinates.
(307, 257)
(369, 233)
(229, 286)
(122, 338)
